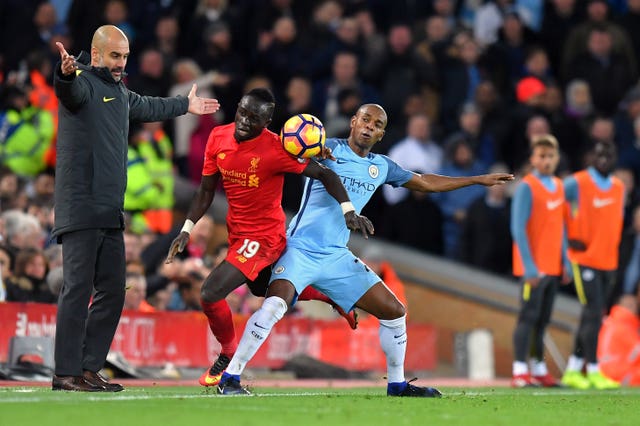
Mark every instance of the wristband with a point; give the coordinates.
(347, 207)
(188, 226)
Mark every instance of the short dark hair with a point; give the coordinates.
(263, 94)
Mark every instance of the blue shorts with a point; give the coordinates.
(340, 275)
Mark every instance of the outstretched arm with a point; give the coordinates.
(199, 205)
(440, 183)
(334, 187)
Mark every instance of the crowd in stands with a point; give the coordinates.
(466, 86)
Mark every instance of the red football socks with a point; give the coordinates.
(221, 324)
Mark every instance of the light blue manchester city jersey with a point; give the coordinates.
(319, 225)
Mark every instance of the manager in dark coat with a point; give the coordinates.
(91, 176)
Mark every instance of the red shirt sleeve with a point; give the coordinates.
(289, 163)
(210, 166)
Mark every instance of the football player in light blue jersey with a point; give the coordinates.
(317, 252)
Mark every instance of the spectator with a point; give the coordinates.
(18, 33)
(22, 230)
(344, 38)
(23, 149)
(166, 40)
(134, 298)
(471, 129)
(53, 253)
(560, 17)
(577, 41)
(325, 18)
(207, 13)
(54, 280)
(186, 73)
(608, 73)
(460, 161)
(417, 151)
(373, 41)
(495, 119)
(116, 13)
(190, 283)
(348, 100)
(627, 131)
(12, 190)
(460, 75)
(140, 194)
(530, 94)
(488, 20)
(219, 55)
(6, 270)
(28, 281)
(579, 109)
(297, 101)
(402, 70)
(629, 21)
(151, 77)
(156, 151)
(344, 76)
(281, 56)
(47, 24)
(485, 239)
(507, 56)
(407, 226)
(571, 136)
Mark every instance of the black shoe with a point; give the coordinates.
(98, 380)
(416, 391)
(231, 386)
(74, 383)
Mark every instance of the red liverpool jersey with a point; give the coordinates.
(252, 175)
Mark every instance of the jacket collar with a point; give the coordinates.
(105, 74)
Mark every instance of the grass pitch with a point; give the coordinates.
(191, 406)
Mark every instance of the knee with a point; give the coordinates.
(529, 316)
(592, 316)
(394, 310)
(210, 293)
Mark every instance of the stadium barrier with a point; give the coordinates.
(184, 339)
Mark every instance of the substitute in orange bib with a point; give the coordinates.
(594, 216)
(538, 253)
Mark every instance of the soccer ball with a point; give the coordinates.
(303, 136)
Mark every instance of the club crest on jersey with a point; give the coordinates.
(588, 274)
(373, 171)
(254, 164)
(222, 155)
(241, 259)
(279, 270)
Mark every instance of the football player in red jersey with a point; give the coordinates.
(251, 163)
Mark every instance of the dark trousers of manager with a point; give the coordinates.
(93, 259)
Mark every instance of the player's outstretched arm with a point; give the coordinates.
(334, 187)
(199, 205)
(440, 183)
